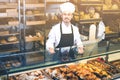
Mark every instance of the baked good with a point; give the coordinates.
(29, 12)
(12, 38)
(3, 41)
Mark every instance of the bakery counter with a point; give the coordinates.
(92, 67)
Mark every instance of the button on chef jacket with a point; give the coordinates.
(54, 36)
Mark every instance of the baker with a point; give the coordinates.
(64, 37)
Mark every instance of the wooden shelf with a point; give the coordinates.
(8, 43)
(8, 5)
(83, 21)
(111, 11)
(8, 51)
(7, 26)
(32, 15)
(56, 1)
(12, 34)
(112, 35)
(91, 3)
(28, 39)
(13, 23)
(32, 6)
(35, 22)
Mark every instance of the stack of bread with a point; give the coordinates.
(90, 14)
(110, 6)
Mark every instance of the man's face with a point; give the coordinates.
(66, 17)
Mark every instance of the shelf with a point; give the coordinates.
(3, 52)
(8, 5)
(111, 35)
(6, 16)
(13, 23)
(8, 43)
(32, 15)
(29, 23)
(28, 39)
(32, 6)
(12, 34)
(7, 26)
(83, 21)
(91, 3)
(111, 11)
(56, 1)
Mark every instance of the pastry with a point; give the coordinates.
(12, 38)
(3, 41)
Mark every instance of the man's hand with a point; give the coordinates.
(80, 50)
(51, 50)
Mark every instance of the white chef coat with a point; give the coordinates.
(55, 35)
(101, 30)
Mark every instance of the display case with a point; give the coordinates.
(108, 60)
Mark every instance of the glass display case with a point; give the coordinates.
(109, 59)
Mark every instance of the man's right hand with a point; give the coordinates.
(51, 50)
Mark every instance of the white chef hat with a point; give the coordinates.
(67, 7)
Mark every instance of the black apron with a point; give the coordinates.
(65, 41)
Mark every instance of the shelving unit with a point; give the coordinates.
(112, 13)
(33, 31)
(10, 33)
(88, 13)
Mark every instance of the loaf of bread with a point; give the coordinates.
(12, 38)
(3, 41)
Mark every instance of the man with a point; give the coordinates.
(63, 36)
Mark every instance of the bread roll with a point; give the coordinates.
(3, 41)
(12, 38)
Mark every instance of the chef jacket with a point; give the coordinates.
(54, 36)
(101, 30)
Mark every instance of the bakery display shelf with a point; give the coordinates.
(84, 21)
(97, 3)
(13, 23)
(11, 16)
(111, 11)
(55, 2)
(32, 39)
(8, 43)
(48, 22)
(5, 15)
(69, 66)
(32, 15)
(12, 34)
(29, 23)
(4, 52)
(6, 25)
(112, 35)
(8, 5)
(11, 64)
(32, 6)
